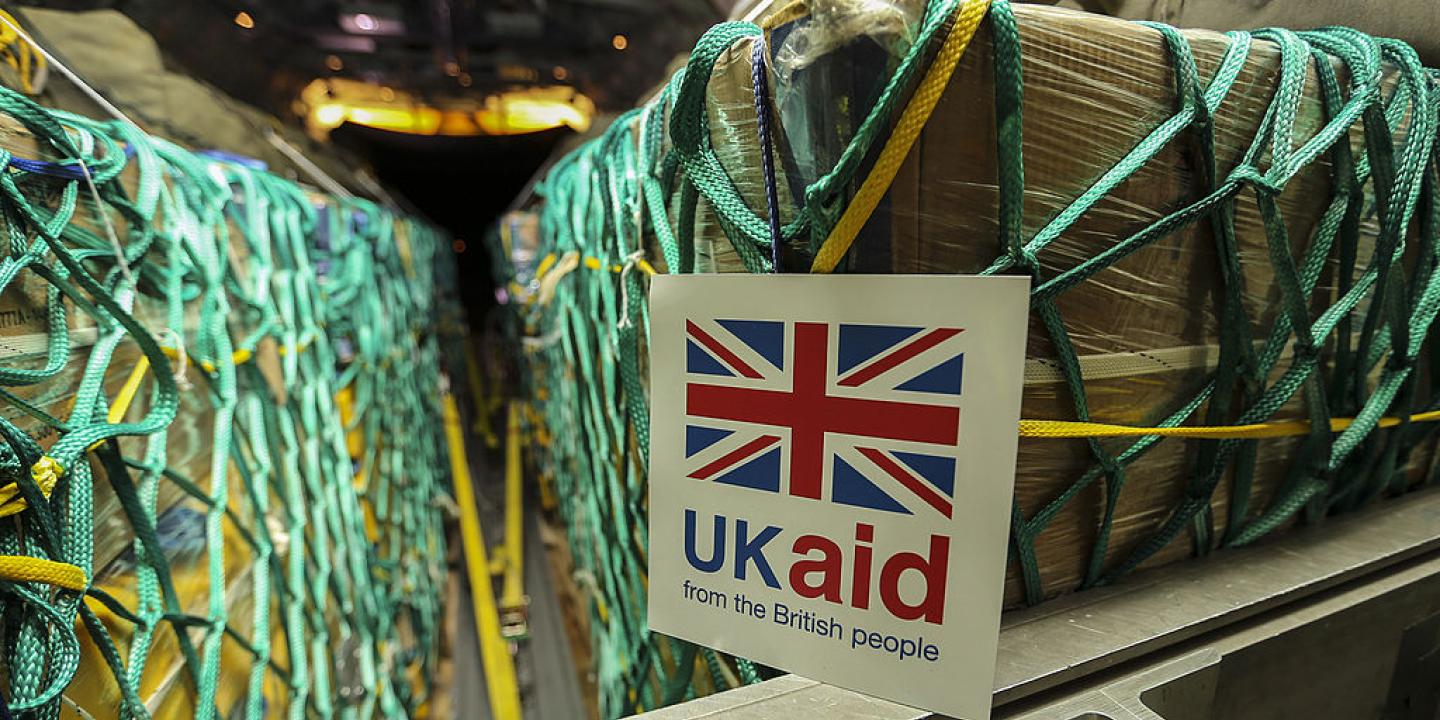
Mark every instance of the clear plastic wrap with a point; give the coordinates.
(839, 51)
(1146, 327)
(833, 24)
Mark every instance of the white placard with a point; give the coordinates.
(832, 460)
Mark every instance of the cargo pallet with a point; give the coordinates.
(1340, 620)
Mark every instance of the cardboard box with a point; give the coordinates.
(1146, 327)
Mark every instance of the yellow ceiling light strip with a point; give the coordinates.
(330, 103)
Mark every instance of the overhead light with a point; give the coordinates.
(619, 42)
(560, 73)
(371, 24)
(329, 102)
(244, 20)
(334, 63)
(534, 109)
(419, 120)
(330, 115)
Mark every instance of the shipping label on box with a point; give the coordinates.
(831, 468)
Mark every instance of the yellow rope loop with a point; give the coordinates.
(46, 472)
(567, 263)
(1066, 429)
(545, 264)
(644, 265)
(19, 568)
(299, 348)
(7, 30)
(127, 393)
(20, 55)
(239, 357)
(553, 268)
(902, 138)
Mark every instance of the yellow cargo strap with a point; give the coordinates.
(494, 650)
(902, 138)
(512, 593)
(1060, 429)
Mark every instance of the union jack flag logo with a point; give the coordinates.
(860, 415)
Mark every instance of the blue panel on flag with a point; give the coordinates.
(762, 473)
(698, 438)
(852, 488)
(699, 362)
(943, 378)
(940, 471)
(859, 343)
(766, 337)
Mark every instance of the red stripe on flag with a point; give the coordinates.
(725, 353)
(915, 485)
(731, 457)
(915, 347)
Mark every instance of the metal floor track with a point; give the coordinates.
(547, 671)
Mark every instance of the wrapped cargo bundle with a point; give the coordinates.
(1231, 238)
(1111, 154)
(194, 529)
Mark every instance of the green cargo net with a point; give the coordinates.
(173, 437)
(637, 194)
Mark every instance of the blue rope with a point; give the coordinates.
(760, 81)
(69, 170)
(43, 167)
(73, 171)
(233, 159)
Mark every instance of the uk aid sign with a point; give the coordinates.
(831, 469)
